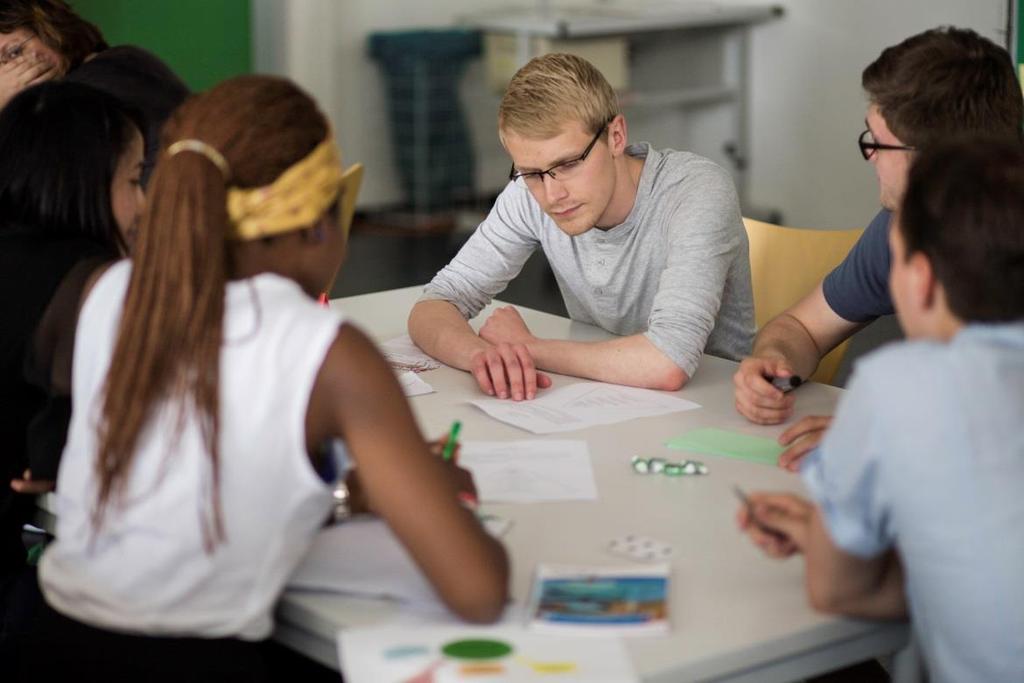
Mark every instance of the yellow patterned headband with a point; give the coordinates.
(295, 200)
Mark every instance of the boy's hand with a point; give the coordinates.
(780, 524)
(802, 438)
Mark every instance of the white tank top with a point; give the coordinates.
(146, 570)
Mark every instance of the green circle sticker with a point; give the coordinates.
(476, 649)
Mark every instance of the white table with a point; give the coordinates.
(736, 615)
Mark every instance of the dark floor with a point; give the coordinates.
(380, 258)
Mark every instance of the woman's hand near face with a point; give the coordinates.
(21, 71)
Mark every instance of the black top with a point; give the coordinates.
(41, 280)
(141, 81)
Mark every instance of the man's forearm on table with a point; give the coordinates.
(439, 329)
(631, 361)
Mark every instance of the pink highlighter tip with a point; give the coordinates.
(322, 299)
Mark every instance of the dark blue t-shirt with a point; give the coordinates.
(858, 289)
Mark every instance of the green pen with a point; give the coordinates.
(449, 447)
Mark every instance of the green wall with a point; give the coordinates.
(1020, 32)
(204, 41)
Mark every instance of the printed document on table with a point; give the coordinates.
(529, 471)
(413, 385)
(582, 405)
(403, 354)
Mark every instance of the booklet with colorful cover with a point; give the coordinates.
(625, 600)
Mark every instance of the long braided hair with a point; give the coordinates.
(169, 339)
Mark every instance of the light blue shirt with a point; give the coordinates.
(926, 455)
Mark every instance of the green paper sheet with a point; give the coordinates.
(713, 441)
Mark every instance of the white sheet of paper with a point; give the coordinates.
(362, 557)
(529, 471)
(582, 405)
(413, 385)
(401, 654)
(403, 354)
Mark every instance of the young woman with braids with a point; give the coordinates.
(206, 380)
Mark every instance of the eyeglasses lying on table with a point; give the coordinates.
(671, 469)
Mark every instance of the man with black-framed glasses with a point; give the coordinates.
(933, 86)
(648, 244)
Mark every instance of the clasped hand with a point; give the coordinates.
(506, 368)
(756, 398)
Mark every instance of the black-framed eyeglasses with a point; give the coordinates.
(868, 146)
(561, 171)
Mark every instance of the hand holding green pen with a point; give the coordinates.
(449, 446)
(463, 478)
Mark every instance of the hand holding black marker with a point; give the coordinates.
(785, 384)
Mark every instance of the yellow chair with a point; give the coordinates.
(786, 264)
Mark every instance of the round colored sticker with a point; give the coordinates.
(403, 651)
(553, 667)
(483, 669)
(476, 649)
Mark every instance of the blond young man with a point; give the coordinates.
(647, 244)
(930, 87)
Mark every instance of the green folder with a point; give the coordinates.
(713, 441)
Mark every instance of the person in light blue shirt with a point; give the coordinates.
(916, 488)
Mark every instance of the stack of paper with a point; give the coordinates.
(403, 354)
(363, 557)
(413, 384)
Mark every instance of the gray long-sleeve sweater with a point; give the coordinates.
(677, 269)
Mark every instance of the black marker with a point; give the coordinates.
(785, 384)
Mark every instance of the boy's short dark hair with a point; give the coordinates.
(57, 25)
(964, 210)
(943, 83)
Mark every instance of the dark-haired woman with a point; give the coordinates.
(42, 40)
(70, 159)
